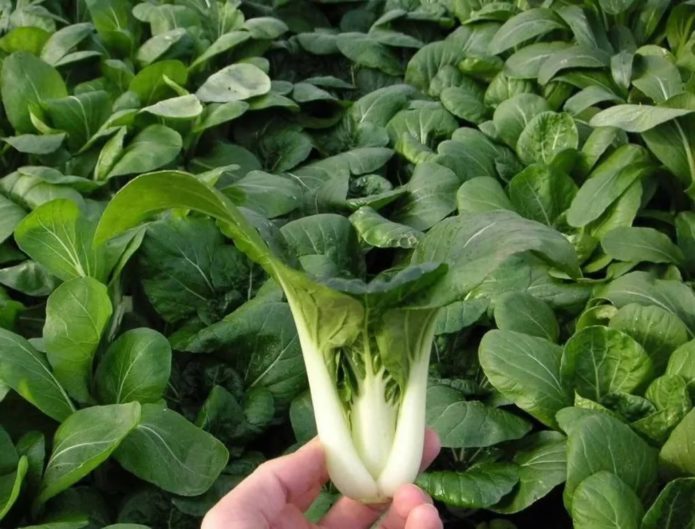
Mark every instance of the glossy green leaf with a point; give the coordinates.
(542, 465)
(524, 27)
(478, 487)
(604, 501)
(152, 148)
(77, 313)
(465, 424)
(381, 232)
(600, 442)
(27, 80)
(677, 456)
(170, 452)
(641, 244)
(526, 370)
(83, 442)
(234, 83)
(27, 371)
(673, 508)
(600, 360)
(136, 367)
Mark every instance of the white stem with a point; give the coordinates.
(404, 459)
(345, 467)
(373, 422)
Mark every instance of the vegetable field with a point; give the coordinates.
(208, 205)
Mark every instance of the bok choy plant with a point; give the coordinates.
(366, 346)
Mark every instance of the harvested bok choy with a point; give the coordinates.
(366, 346)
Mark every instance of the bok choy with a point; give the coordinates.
(366, 346)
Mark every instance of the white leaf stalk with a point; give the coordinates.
(372, 421)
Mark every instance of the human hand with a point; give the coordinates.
(278, 492)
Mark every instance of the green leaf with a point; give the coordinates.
(431, 196)
(61, 43)
(636, 118)
(83, 442)
(160, 45)
(170, 452)
(25, 370)
(606, 184)
(458, 315)
(545, 136)
(136, 367)
(512, 116)
(682, 362)
(658, 78)
(542, 466)
(10, 215)
(26, 80)
(542, 193)
(466, 424)
(366, 51)
(473, 245)
(465, 102)
(641, 244)
(80, 116)
(58, 236)
(10, 486)
(677, 456)
(36, 144)
(526, 370)
(604, 501)
(181, 107)
(380, 232)
(573, 57)
(523, 27)
(660, 332)
(260, 340)
(527, 61)
(285, 149)
(600, 360)
(152, 148)
(224, 43)
(154, 192)
(77, 313)
(236, 82)
(599, 442)
(271, 195)
(29, 278)
(481, 194)
(522, 313)
(113, 21)
(671, 141)
(644, 289)
(187, 270)
(302, 418)
(150, 83)
(479, 487)
(673, 508)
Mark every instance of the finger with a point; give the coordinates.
(290, 518)
(274, 484)
(431, 449)
(424, 517)
(351, 514)
(294, 475)
(304, 501)
(406, 500)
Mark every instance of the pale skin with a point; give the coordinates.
(276, 495)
